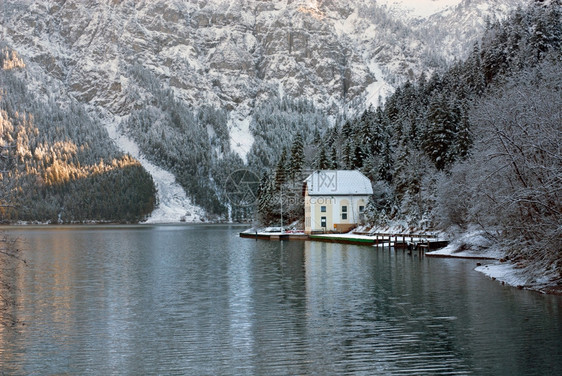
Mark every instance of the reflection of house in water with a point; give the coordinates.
(334, 200)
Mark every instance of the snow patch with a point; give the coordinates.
(523, 277)
(241, 138)
(419, 8)
(503, 272)
(347, 26)
(379, 90)
(473, 244)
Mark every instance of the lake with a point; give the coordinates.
(199, 300)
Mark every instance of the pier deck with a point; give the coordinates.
(410, 241)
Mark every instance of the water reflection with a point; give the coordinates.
(199, 300)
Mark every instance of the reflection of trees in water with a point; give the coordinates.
(9, 254)
(9, 258)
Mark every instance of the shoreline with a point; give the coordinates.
(113, 223)
(470, 246)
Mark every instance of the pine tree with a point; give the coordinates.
(322, 163)
(554, 25)
(264, 198)
(366, 126)
(281, 170)
(402, 168)
(440, 134)
(386, 165)
(334, 165)
(297, 157)
(317, 138)
(474, 75)
(357, 158)
(346, 130)
(463, 141)
(347, 155)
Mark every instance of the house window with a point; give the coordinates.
(361, 209)
(323, 222)
(323, 209)
(344, 212)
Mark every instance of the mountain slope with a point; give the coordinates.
(232, 56)
(239, 53)
(57, 163)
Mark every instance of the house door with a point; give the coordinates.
(323, 222)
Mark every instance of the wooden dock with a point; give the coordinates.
(273, 236)
(342, 240)
(402, 241)
(416, 242)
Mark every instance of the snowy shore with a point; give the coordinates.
(474, 245)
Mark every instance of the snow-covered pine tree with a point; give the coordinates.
(296, 160)
(334, 164)
(463, 137)
(347, 154)
(322, 162)
(281, 170)
(357, 157)
(440, 133)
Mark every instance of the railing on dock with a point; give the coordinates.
(408, 241)
(418, 242)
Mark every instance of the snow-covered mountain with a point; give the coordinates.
(418, 8)
(236, 54)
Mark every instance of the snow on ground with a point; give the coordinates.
(453, 251)
(529, 277)
(419, 8)
(346, 26)
(241, 138)
(173, 203)
(379, 90)
(399, 227)
(472, 244)
(503, 272)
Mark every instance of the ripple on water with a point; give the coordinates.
(199, 300)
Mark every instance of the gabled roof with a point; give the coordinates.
(338, 182)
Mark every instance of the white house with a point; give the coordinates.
(334, 200)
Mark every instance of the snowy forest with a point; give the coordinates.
(194, 143)
(477, 146)
(58, 164)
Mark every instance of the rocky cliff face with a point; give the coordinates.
(232, 54)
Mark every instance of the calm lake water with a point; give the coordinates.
(199, 300)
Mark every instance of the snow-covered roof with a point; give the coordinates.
(338, 182)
